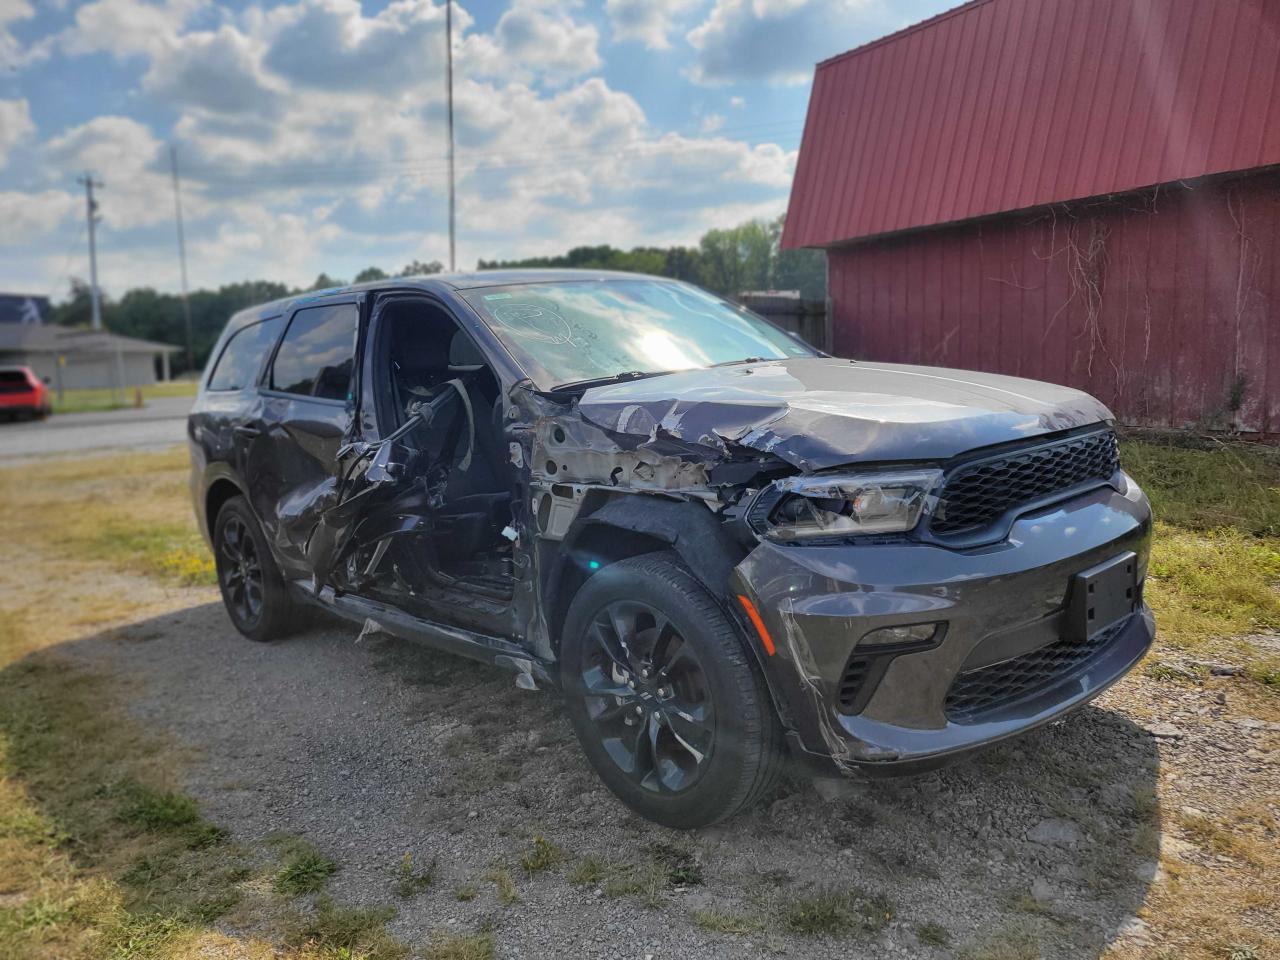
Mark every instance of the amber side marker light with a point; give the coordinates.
(754, 616)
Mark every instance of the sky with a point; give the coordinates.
(310, 134)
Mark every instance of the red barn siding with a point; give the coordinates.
(1162, 303)
(1004, 105)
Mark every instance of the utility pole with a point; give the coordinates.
(448, 86)
(182, 254)
(91, 211)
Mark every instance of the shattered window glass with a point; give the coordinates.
(242, 357)
(317, 353)
(584, 330)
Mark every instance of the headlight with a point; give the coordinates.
(805, 508)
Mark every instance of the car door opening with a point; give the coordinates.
(440, 523)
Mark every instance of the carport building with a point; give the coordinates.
(1080, 191)
(73, 359)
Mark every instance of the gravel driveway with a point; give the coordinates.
(161, 423)
(375, 749)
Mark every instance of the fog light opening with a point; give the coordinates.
(914, 635)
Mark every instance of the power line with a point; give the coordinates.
(340, 176)
(438, 162)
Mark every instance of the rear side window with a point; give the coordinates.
(13, 381)
(241, 358)
(317, 353)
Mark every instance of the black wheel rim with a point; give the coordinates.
(648, 697)
(240, 571)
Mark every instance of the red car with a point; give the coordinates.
(22, 393)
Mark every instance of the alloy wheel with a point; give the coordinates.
(240, 571)
(648, 697)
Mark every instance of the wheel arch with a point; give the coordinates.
(628, 526)
(219, 492)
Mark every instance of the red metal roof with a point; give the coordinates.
(1005, 104)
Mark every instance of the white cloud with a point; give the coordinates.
(125, 154)
(533, 39)
(779, 40)
(292, 166)
(648, 21)
(28, 216)
(213, 71)
(712, 122)
(15, 126)
(14, 53)
(126, 27)
(332, 45)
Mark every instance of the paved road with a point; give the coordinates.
(161, 423)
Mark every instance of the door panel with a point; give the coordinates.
(290, 450)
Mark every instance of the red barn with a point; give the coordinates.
(1081, 191)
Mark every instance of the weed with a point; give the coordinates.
(501, 879)
(159, 810)
(1015, 941)
(681, 865)
(646, 880)
(932, 934)
(410, 882)
(467, 946)
(542, 855)
(720, 921)
(466, 892)
(347, 931)
(587, 872)
(305, 870)
(1265, 672)
(829, 911)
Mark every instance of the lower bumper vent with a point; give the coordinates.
(978, 691)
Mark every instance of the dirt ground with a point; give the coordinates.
(1142, 826)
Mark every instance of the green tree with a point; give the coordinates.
(420, 269)
(803, 270)
(369, 274)
(324, 282)
(737, 259)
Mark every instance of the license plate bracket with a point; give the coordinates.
(1101, 595)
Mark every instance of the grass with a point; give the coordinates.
(468, 946)
(541, 855)
(722, 921)
(409, 881)
(129, 512)
(305, 870)
(503, 883)
(590, 871)
(1014, 941)
(89, 400)
(102, 854)
(338, 931)
(1214, 573)
(829, 911)
(932, 934)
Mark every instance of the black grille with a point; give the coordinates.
(851, 683)
(976, 691)
(977, 494)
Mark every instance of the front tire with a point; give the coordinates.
(669, 709)
(253, 591)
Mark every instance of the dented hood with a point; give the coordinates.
(820, 412)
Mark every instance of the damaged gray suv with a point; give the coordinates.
(719, 545)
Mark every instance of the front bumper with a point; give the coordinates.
(998, 601)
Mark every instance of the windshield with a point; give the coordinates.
(564, 333)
